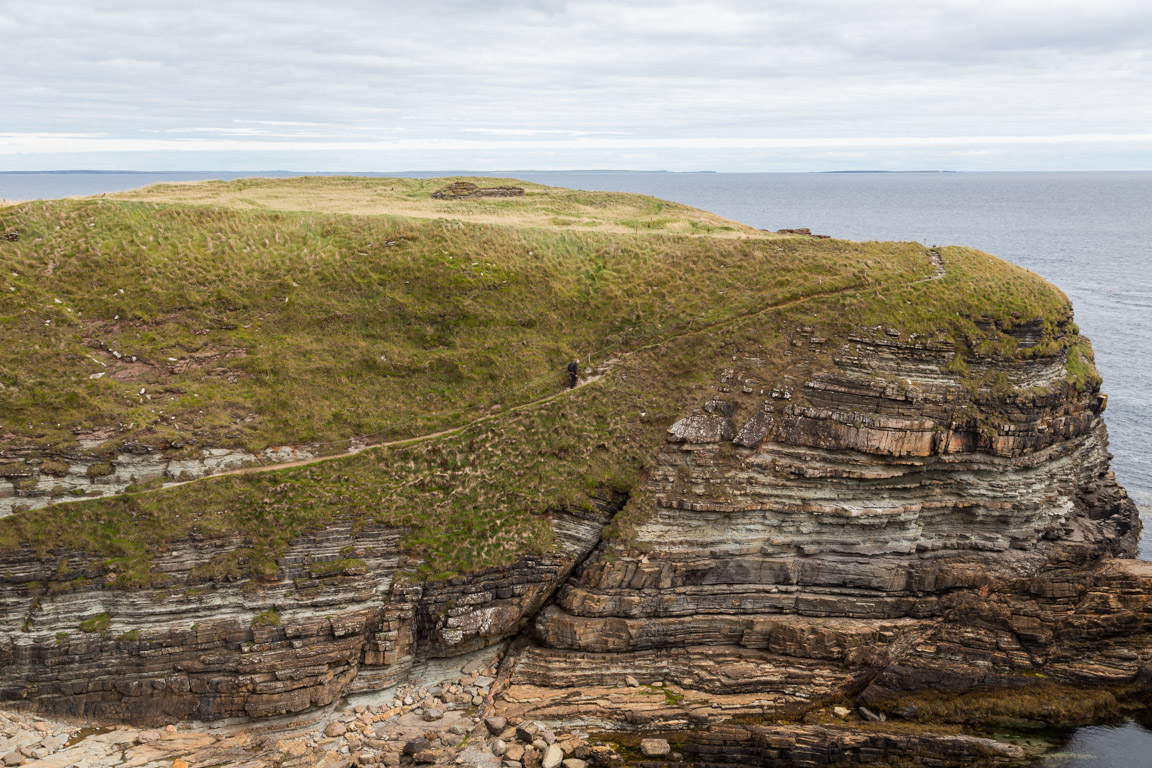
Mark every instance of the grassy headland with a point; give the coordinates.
(253, 314)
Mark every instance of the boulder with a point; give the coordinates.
(654, 747)
(417, 745)
(553, 757)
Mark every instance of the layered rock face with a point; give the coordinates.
(196, 644)
(897, 531)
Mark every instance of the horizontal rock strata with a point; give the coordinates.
(196, 644)
(880, 528)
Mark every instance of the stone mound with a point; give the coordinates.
(462, 189)
(802, 231)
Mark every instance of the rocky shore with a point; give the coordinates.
(442, 724)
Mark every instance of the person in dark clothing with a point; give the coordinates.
(573, 372)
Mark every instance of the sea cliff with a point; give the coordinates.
(814, 501)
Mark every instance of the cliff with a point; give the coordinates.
(815, 500)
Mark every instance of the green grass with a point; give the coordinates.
(268, 618)
(400, 326)
(259, 328)
(341, 566)
(96, 623)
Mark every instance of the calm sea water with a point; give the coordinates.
(1089, 233)
(1128, 745)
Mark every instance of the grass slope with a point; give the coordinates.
(397, 326)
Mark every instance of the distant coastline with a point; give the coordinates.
(457, 172)
(887, 172)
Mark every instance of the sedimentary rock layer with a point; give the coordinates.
(885, 526)
(334, 620)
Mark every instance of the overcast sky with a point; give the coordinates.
(728, 85)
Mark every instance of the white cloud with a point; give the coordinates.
(267, 77)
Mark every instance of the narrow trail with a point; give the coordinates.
(933, 256)
(938, 262)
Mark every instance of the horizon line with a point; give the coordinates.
(464, 172)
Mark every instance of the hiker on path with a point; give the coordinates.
(573, 372)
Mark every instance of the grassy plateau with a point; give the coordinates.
(266, 312)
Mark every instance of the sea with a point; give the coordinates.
(1090, 233)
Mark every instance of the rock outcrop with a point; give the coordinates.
(32, 477)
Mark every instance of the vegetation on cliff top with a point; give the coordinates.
(212, 321)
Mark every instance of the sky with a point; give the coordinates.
(728, 85)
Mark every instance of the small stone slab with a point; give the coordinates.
(655, 747)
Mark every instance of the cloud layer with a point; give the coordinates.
(728, 85)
